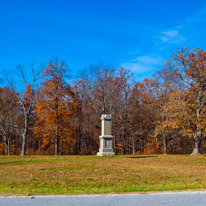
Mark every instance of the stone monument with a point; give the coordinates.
(106, 137)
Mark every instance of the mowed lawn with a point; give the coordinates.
(41, 175)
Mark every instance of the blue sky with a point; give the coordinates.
(138, 35)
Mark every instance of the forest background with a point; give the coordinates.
(52, 114)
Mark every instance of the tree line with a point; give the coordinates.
(52, 114)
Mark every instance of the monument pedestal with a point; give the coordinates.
(106, 137)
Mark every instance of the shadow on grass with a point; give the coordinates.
(142, 157)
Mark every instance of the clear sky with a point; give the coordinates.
(135, 34)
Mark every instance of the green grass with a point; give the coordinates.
(43, 175)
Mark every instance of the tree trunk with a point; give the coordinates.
(62, 149)
(5, 150)
(26, 125)
(142, 146)
(124, 145)
(133, 139)
(5, 147)
(164, 144)
(133, 143)
(124, 123)
(23, 152)
(8, 146)
(164, 138)
(6, 143)
(198, 136)
(198, 140)
(124, 137)
(57, 123)
(172, 146)
(115, 132)
(56, 145)
(196, 150)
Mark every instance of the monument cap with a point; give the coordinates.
(106, 116)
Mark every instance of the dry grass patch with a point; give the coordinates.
(91, 174)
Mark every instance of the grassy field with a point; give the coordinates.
(41, 175)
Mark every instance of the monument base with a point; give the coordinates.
(105, 154)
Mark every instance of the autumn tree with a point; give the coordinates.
(84, 121)
(147, 116)
(8, 116)
(189, 68)
(25, 96)
(54, 106)
(182, 121)
(134, 110)
(125, 86)
(162, 91)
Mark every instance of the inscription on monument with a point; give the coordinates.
(107, 143)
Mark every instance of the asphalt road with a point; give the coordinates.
(158, 199)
